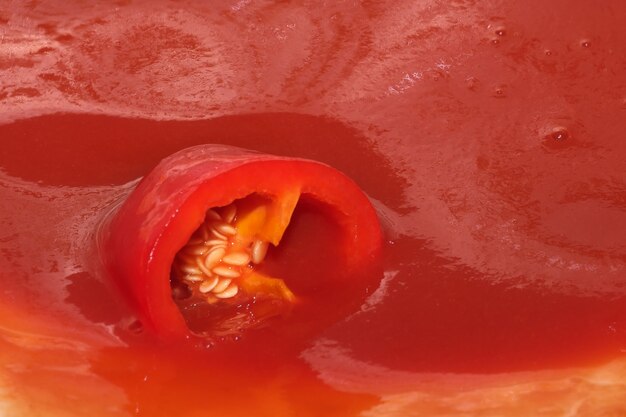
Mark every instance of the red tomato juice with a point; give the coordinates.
(489, 136)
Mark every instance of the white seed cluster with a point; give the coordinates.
(215, 257)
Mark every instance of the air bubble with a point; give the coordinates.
(499, 92)
(500, 32)
(559, 134)
(548, 52)
(558, 137)
(585, 43)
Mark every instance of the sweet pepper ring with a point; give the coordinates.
(201, 220)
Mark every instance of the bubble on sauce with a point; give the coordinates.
(560, 134)
(501, 31)
(548, 52)
(499, 91)
(585, 43)
(557, 137)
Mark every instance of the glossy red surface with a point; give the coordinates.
(490, 136)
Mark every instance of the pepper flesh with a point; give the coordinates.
(160, 216)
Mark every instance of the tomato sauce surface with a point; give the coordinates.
(489, 136)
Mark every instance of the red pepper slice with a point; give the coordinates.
(170, 205)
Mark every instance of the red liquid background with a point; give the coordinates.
(491, 135)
